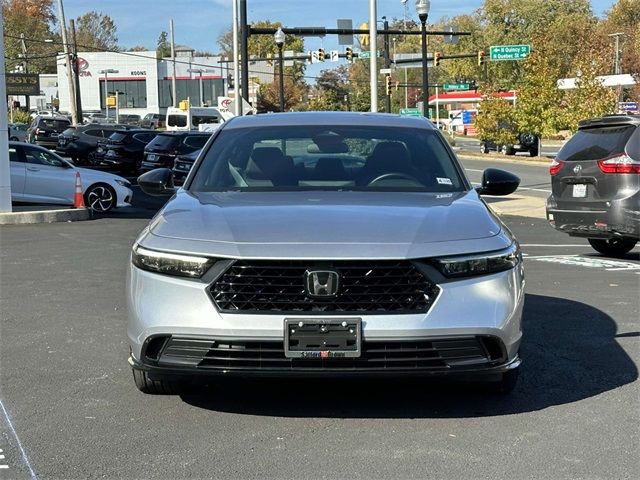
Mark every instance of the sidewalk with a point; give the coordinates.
(520, 205)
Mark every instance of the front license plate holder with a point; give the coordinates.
(322, 339)
(579, 190)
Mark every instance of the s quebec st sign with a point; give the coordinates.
(509, 52)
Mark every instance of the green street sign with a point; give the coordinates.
(366, 54)
(455, 86)
(509, 52)
(410, 112)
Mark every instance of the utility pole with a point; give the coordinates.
(76, 77)
(616, 67)
(173, 61)
(387, 63)
(25, 67)
(236, 66)
(244, 50)
(373, 47)
(67, 58)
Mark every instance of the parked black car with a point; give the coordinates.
(154, 121)
(163, 150)
(595, 184)
(182, 166)
(44, 131)
(80, 142)
(524, 142)
(123, 150)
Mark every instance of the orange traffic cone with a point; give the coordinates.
(78, 199)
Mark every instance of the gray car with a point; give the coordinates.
(595, 182)
(325, 243)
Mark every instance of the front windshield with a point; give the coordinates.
(328, 158)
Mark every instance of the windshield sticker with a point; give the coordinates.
(444, 181)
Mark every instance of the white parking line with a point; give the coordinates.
(15, 435)
(589, 262)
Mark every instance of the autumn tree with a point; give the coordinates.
(496, 119)
(331, 90)
(163, 47)
(35, 19)
(96, 31)
(294, 96)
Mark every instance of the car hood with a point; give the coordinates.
(325, 225)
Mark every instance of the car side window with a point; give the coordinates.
(39, 157)
(14, 155)
(93, 132)
(196, 141)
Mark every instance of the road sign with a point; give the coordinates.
(412, 56)
(335, 55)
(347, 24)
(314, 56)
(410, 112)
(509, 52)
(452, 38)
(455, 86)
(386, 71)
(364, 54)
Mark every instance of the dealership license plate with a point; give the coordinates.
(62, 141)
(111, 153)
(321, 339)
(580, 190)
(152, 157)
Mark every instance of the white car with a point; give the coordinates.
(40, 176)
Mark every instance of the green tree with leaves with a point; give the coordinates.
(496, 118)
(96, 31)
(163, 47)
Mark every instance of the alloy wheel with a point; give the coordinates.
(100, 198)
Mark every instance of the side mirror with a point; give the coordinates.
(498, 182)
(158, 182)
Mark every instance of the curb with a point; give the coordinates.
(542, 161)
(45, 216)
(520, 205)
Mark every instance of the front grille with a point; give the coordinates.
(365, 287)
(434, 354)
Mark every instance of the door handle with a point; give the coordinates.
(33, 169)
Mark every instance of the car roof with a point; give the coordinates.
(329, 118)
(185, 133)
(609, 120)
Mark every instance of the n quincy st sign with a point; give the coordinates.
(509, 52)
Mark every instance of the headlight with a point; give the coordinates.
(124, 183)
(170, 263)
(479, 264)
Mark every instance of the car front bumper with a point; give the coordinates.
(486, 309)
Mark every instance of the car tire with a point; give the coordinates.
(483, 147)
(507, 150)
(533, 152)
(154, 387)
(613, 247)
(100, 198)
(14, 139)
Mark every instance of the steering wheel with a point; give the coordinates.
(386, 176)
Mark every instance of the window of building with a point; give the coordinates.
(133, 93)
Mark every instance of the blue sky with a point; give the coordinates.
(198, 23)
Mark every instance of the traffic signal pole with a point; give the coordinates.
(387, 64)
(244, 49)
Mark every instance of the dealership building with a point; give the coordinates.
(143, 82)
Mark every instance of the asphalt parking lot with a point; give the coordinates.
(70, 409)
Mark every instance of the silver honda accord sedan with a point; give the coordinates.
(325, 244)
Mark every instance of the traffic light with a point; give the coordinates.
(230, 83)
(321, 54)
(364, 37)
(436, 59)
(481, 58)
(183, 105)
(349, 54)
(387, 83)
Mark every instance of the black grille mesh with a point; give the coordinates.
(440, 353)
(365, 287)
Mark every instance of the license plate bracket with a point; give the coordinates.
(321, 339)
(579, 190)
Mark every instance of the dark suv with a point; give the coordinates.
(44, 131)
(182, 166)
(524, 142)
(124, 149)
(80, 142)
(162, 151)
(595, 182)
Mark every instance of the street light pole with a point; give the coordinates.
(422, 7)
(106, 89)
(279, 38)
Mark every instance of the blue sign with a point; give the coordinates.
(466, 117)
(630, 107)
